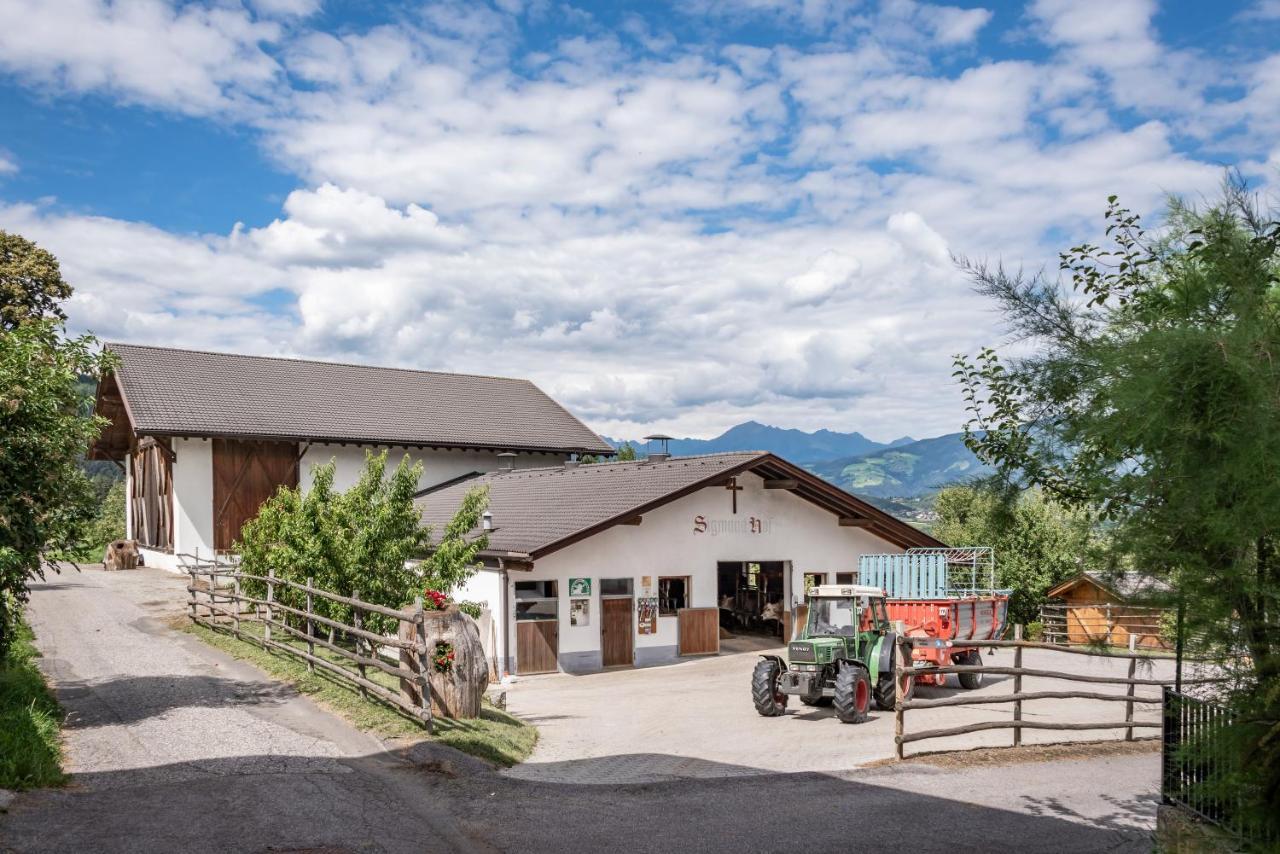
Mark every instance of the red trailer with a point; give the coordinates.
(947, 602)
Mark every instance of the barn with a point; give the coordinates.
(1110, 608)
(638, 563)
(204, 438)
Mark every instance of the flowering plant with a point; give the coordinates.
(442, 660)
(434, 600)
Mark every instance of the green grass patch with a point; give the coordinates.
(495, 736)
(30, 720)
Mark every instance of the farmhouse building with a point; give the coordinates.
(634, 563)
(205, 438)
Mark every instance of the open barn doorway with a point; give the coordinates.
(752, 597)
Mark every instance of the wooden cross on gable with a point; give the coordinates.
(732, 485)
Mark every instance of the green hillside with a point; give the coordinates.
(909, 470)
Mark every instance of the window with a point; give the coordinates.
(536, 600)
(845, 578)
(615, 587)
(673, 594)
(813, 579)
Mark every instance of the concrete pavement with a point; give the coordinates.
(175, 747)
(695, 719)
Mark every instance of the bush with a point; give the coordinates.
(1035, 631)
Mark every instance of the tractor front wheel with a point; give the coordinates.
(853, 694)
(886, 692)
(768, 700)
(970, 681)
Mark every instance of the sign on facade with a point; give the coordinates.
(579, 586)
(580, 611)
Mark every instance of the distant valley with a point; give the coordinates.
(905, 468)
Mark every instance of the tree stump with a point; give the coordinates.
(121, 554)
(458, 682)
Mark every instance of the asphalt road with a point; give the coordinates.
(175, 747)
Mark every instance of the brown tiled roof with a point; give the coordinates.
(192, 393)
(536, 511)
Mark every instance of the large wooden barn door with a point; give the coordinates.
(245, 474)
(151, 493)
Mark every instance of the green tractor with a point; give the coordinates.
(843, 657)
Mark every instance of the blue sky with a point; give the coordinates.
(671, 215)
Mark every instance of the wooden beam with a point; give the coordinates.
(782, 483)
(855, 522)
(634, 520)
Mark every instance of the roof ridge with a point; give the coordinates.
(643, 461)
(305, 361)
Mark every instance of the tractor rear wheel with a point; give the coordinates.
(970, 681)
(769, 701)
(853, 694)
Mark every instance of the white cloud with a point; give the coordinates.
(663, 234)
(195, 59)
(8, 165)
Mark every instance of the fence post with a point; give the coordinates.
(235, 605)
(311, 647)
(1017, 685)
(424, 662)
(1128, 704)
(899, 713)
(271, 597)
(358, 622)
(191, 597)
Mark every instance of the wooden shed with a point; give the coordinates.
(1096, 606)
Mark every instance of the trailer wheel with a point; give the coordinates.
(970, 681)
(853, 694)
(768, 700)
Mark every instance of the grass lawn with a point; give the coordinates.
(30, 746)
(496, 736)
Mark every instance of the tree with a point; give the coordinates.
(31, 284)
(1150, 391)
(1038, 543)
(363, 541)
(46, 499)
(626, 453)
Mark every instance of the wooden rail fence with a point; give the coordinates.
(1112, 624)
(221, 605)
(904, 671)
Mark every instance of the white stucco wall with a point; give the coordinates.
(438, 466)
(666, 543)
(486, 586)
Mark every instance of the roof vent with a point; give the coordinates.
(507, 461)
(663, 453)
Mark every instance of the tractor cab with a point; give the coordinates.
(842, 656)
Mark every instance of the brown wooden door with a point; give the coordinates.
(699, 631)
(537, 646)
(617, 635)
(245, 474)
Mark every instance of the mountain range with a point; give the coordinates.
(903, 468)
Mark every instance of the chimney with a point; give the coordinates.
(663, 453)
(506, 461)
